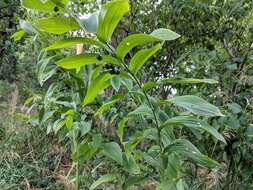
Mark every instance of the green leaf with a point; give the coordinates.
(186, 149)
(121, 127)
(196, 105)
(194, 123)
(235, 108)
(18, 35)
(128, 43)
(149, 85)
(88, 149)
(116, 82)
(130, 165)
(142, 110)
(109, 17)
(46, 115)
(128, 83)
(133, 180)
(141, 57)
(106, 106)
(69, 121)
(96, 85)
(187, 81)
(58, 124)
(103, 179)
(84, 127)
(45, 71)
(174, 80)
(112, 150)
(73, 41)
(57, 25)
(165, 34)
(48, 6)
(76, 61)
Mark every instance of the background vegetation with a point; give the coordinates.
(215, 43)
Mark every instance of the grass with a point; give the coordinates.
(28, 159)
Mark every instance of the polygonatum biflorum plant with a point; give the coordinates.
(100, 88)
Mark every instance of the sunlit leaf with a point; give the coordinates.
(48, 6)
(165, 34)
(18, 35)
(76, 61)
(97, 85)
(109, 17)
(73, 41)
(57, 25)
(141, 57)
(128, 43)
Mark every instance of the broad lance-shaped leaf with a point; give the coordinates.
(112, 150)
(103, 179)
(130, 164)
(45, 71)
(143, 109)
(133, 180)
(194, 123)
(186, 149)
(174, 80)
(141, 57)
(196, 105)
(121, 127)
(165, 34)
(159, 35)
(109, 17)
(47, 6)
(57, 25)
(106, 106)
(18, 35)
(187, 81)
(96, 85)
(116, 82)
(73, 41)
(76, 61)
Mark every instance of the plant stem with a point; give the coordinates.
(145, 94)
(77, 176)
(149, 102)
(77, 163)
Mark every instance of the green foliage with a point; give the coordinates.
(196, 105)
(121, 79)
(47, 6)
(56, 25)
(109, 17)
(72, 41)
